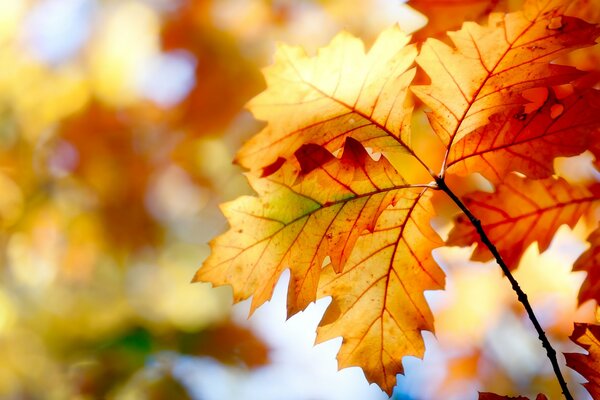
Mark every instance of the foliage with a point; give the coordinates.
(118, 121)
(345, 186)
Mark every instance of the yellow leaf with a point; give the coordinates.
(342, 92)
(300, 217)
(378, 304)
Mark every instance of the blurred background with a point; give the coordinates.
(118, 123)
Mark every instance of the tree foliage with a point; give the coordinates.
(344, 188)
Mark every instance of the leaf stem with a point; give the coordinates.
(515, 285)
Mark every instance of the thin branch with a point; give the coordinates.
(515, 285)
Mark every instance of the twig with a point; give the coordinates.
(515, 285)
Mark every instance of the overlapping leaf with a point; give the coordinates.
(489, 67)
(342, 92)
(520, 212)
(590, 263)
(588, 365)
(299, 218)
(378, 304)
(370, 220)
(360, 213)
(515, 141)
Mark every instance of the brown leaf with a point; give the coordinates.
(230, 344)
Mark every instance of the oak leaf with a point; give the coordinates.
(301, 216)
(342, 92)
(528, 143)
(588, 365)
(504, 58)
(369, 218)
(378, 306)
(521, 211)
(590, 263)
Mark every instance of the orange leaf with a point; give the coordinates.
(370, 219)
(300, 217)
(588, 337)
(528, 143)
(590, 263)
(520, 212)
(339, 93)
(491, 65)
(378, 304)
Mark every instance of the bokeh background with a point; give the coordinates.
(118, 123)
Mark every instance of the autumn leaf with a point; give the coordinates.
(490, 66)
(528, 143)
(378, 306)
(342, 92)
(300, 217)
(338, 208)
(357, 229)
(520, 212)
(492, 396)
(588, 365)
(590, 263)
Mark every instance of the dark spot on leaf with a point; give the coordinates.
(272, 168)
(312, 156)
(521, 116)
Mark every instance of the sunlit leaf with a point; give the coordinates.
(490, 66)
(519, 213)
(339, 93)
(378, 305)
(528, 143)
(590, 263)
(302, 216)
(588, 337)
